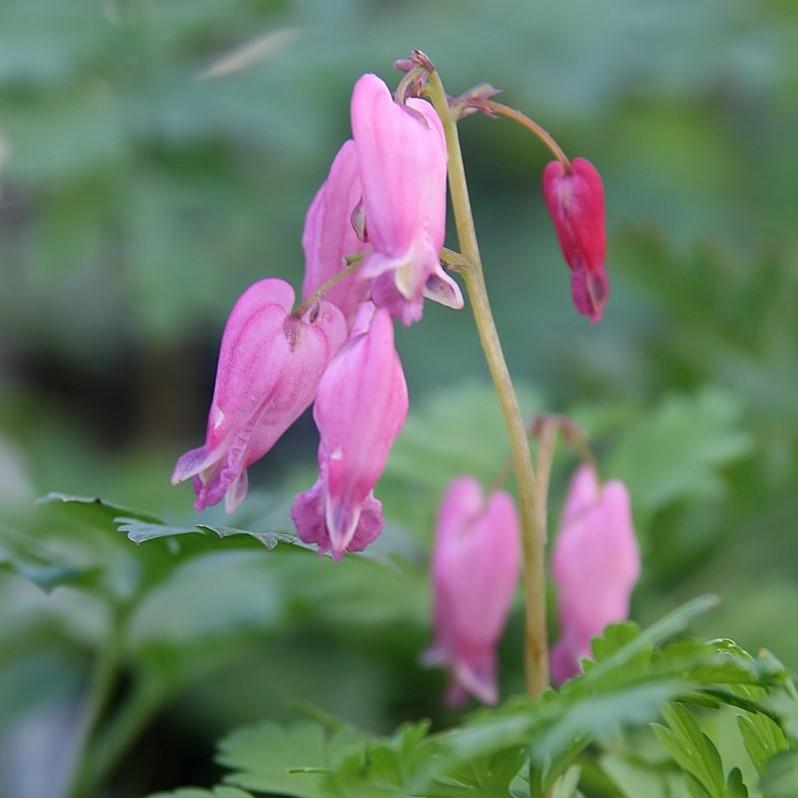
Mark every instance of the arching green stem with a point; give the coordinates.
(533, 524)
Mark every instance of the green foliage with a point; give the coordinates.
(762, 737)
(459, 429)
(635, 679)
(290, 760)
(693, 752)
(140, 196)
(780, 778)
(526, 747)
(675, 453)
(218, 792)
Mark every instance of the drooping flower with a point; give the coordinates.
(330, 235)
(575, 199)
(270, 363)
(475, 569)
(360, 407)
(402, 157)
(595, 564)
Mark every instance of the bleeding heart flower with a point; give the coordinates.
(402, 157)
(575, 199)
(595, 563)
(269, 368)
(360, 407)
(475, 569)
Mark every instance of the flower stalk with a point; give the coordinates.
(532, 520)
(530, 124)
(353, 263)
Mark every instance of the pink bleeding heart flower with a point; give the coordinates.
(402, 157)
(330, 235)
(475, 568)
(269, 367)
(595, 564)
(575, 199)
(360, 407)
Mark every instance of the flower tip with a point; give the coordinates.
(480, 682)
(563, 664)
(190, 464)
(341, 524)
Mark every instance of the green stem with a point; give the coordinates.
(126, 727)
(536, 648)
(534, 127)
(353, 263)
(100, 688)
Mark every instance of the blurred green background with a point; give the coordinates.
(146, 182)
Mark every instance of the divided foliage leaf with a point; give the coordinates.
(290, 760)
(693, 437)
(693, 751)
(542, 746)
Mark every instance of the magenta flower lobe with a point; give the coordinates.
(402, 158)
(575, 200)
(595, 564)
(475, 570)
(360, 407)
(330, 235)
(270, 363)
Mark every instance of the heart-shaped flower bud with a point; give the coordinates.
(475, 569)
(269, 368)
(575, 199)
(595, 563)
(402, 157)
(360, 407)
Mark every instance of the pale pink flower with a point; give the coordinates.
(330, 235)
(402, 157)
(269, 367)
(360, 407)
(475, 569)
(575, 199)
(595, 564)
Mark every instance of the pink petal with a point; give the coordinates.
(329, 235)
(270, 364)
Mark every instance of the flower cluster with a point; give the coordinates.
(383, 206)
(372, 241)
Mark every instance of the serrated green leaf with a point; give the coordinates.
(762, 738)
(291, 760)
(735, 786)
(141, 532)
(490, 776)
(92, 509)
(387, 767)
(691, 749)
(673, 623)
(614, 638)
(602, 716)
